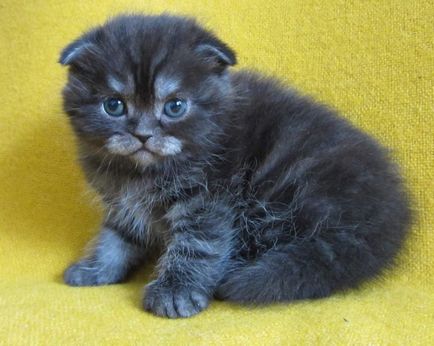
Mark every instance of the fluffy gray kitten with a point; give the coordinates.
(246, 190)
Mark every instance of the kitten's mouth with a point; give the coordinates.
(144, 150)
(143, 155)
(141, 149)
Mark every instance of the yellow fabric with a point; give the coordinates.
(373, 60)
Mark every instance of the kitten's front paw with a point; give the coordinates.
(173, 302)
(83, 273)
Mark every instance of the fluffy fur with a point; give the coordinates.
(256, 194)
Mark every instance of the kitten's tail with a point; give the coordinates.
(314, 268)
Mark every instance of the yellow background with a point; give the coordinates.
(373, 60)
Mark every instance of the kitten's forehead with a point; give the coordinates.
(116, 84)
(124, 85)
(165, 85)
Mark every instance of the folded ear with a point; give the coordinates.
(218, 52)
(71, 52)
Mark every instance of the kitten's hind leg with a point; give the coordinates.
(109, 261)
(307, 269)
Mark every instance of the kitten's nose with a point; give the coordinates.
(142, 138)
(145, 128)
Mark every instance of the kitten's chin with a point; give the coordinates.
(143, 157)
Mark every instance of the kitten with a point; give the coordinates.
(248, 191)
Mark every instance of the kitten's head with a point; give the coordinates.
(147, 87)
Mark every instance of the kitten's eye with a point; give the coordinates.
(114, 107)
(175, 108)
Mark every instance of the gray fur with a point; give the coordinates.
(165, 86)
(109, 261)
(116, 85)
(256, 194)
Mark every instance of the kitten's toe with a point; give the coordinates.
(83, 273)
(173, 302)
(80, 274)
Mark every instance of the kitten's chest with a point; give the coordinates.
(137, 211)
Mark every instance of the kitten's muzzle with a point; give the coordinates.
(148, 145)
(126, 144)
(142, 138)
